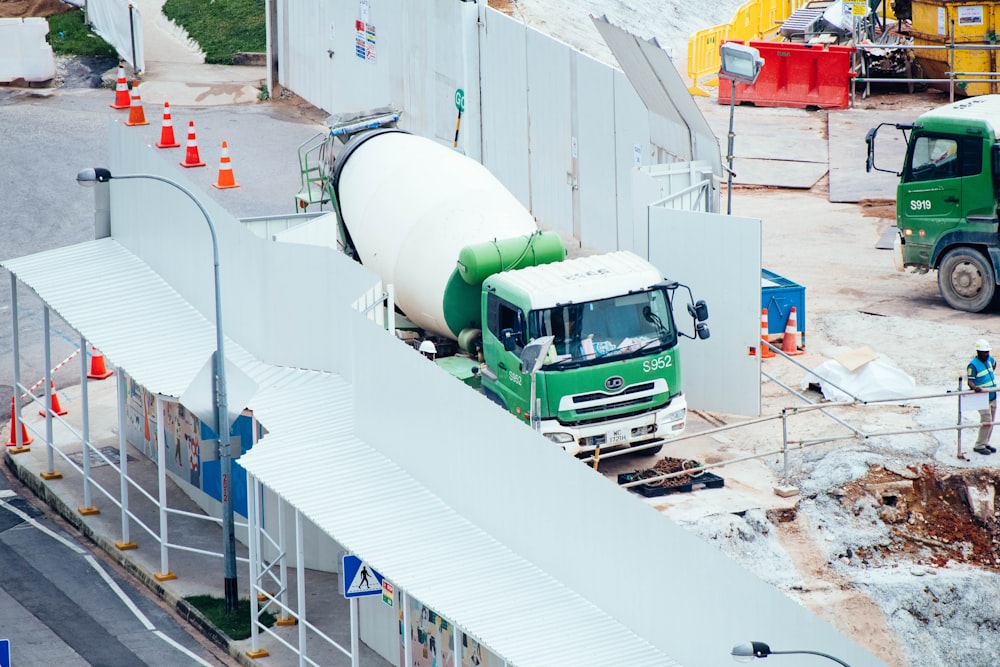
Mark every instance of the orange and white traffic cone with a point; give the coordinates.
(122, 100)
(765, 351)
(14, 421)
(790, 341)
(97, 369)
(226, 179)
(54, 403)
(136, 116)
(167, 139)
(191, 157)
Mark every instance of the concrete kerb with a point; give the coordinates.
(185, 609)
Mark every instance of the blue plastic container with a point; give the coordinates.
(778, 295)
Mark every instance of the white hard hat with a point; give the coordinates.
(427, 347)
(982, 345)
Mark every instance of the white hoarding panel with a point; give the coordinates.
(549, 131)
(718, 256)
(595, 160)
(632, 149)
(504, 87)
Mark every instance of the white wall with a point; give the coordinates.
(266, 286)
(540, 101)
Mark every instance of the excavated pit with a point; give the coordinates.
(937, 515)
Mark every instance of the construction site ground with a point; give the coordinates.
(892, 538)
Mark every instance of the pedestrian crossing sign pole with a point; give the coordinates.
(359, 579)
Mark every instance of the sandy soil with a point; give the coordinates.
(26, 8)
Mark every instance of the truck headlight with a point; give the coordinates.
(559, 438)
(676, 415)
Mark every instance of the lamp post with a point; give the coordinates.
(740, 64)
(747, 652)
(89, 177)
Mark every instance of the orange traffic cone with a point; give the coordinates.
(191, 157)
(122, 100)
(765, 351)
(790, 341)
(167, 139)
(226, 179)
(97, 369)
(56, 408)
(25, 438)
(136, 116)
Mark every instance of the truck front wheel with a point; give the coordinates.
(966, 280)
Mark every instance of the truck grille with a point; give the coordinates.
(599, 396)
(584, 408)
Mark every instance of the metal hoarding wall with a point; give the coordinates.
(505, 102)
(719, 258)
(593, 150)
(266, 286)
(550, 112)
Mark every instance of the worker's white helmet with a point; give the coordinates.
(982, 345)
(428, 347)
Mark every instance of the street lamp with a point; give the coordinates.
(89, 177)
(747, 652)
(740, 64)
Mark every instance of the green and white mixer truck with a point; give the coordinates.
(946, 200)
(471, 269)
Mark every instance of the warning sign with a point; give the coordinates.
(359, 579)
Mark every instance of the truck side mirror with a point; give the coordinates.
(870, 140)
(699, 310)
(508, 339)
(702, 329)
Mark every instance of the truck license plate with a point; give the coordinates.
(615, 437)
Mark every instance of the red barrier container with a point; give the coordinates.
(798, 76)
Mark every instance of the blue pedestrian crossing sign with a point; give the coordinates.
(4, 653)
(359, 579)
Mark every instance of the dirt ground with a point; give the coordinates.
(10, 9)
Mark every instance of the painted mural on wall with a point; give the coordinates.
(192, 448)
(433, 641)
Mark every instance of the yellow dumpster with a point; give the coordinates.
(936, 21)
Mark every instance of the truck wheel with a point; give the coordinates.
(966, 280)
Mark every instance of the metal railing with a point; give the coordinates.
(788, 444)
(954, 79)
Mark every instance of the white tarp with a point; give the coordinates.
(877, 379)
(119, 23)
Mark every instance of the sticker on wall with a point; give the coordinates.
(970, 15)
(364, 41)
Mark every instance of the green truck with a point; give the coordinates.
(584, 350)
(946, 199)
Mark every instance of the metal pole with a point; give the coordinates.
(958, 453)
(131, 31)
(222, 407)
(85, 409)
(47, 410)
(784, 446)
(161, 485)
(951, 64)
(729, 157)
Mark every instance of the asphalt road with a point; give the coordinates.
(62, 605)
(49, 135)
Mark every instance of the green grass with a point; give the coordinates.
(221, 27)
(69, 36)
(236, 625)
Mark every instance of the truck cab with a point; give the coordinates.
(946, 210)
(611, 376)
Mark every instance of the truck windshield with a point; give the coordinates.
(626, 325)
